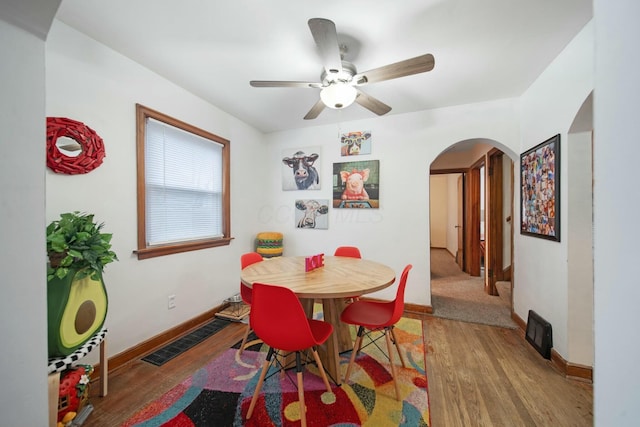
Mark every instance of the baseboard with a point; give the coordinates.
(572, 370)
(569, 370)
(520, 322)
(418, 309)
(152, 344)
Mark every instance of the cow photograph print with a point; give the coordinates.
(300, 168)
(355, 143)
(313, 214)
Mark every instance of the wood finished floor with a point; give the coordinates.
(478, 376)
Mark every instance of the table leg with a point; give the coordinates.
(104, 368)
(345, 342)
(54, 390)
(307, 305)
(340, 339)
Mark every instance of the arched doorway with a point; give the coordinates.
(471, 204)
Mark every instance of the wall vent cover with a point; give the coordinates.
(539, 334)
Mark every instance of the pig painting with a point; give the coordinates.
(354, 184)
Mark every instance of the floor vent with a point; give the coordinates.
(539, 334)
(182, 344)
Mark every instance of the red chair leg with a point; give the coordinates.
(395, 341)
(265, 366)
(302, 406)
(354, 352)
(394, 374)
(263, 374)
(321, 369)
(244, 339)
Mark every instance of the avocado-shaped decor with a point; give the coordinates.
(77, 309)
(76, 296)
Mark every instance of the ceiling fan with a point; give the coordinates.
(340, 81)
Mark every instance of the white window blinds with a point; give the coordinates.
(183, 179)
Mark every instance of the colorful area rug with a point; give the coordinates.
(219, 394)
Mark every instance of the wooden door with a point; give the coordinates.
(472, 222)
(494, 233)
(460, 223)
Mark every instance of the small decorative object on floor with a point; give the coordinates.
(269, 244)
(237, 309)
(314, 261)
(82, 416)
(74, 391)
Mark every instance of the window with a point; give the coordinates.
(183, 186)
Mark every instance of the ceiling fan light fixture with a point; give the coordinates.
(338, 95)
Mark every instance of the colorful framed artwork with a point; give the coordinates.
(312, 214)
(540, 190)
(300, 168)
(355, 143)
(356, 184)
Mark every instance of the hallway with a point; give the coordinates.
(458, 296)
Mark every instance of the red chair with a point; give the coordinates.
(348, 251)
(278, 319)
(371, 316)
(245, 291)
(351, 252)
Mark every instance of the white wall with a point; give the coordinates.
(549, 107)
(23, 308)
(92, 84)
(398, 232)
(616, 207)
(580, 249)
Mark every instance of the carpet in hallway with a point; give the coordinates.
(456, 295)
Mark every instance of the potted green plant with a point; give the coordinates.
(77, 300)
(76, 242)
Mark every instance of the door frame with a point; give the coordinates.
(494, 227)
(470, 217)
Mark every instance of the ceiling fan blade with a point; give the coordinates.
(372, 104)
(315, 110)
(271, 83)
(419, 64)
(326, 37)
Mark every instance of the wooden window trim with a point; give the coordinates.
(144, 251)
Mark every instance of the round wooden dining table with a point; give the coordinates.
(338, 279)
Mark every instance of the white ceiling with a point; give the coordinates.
(483, 50)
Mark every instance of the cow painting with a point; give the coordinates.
(305, 174)
(312, 214)
(355, 143)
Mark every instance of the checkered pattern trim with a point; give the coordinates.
(59, 364)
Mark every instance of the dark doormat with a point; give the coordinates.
(182, 344)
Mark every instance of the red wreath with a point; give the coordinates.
(91, 144)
